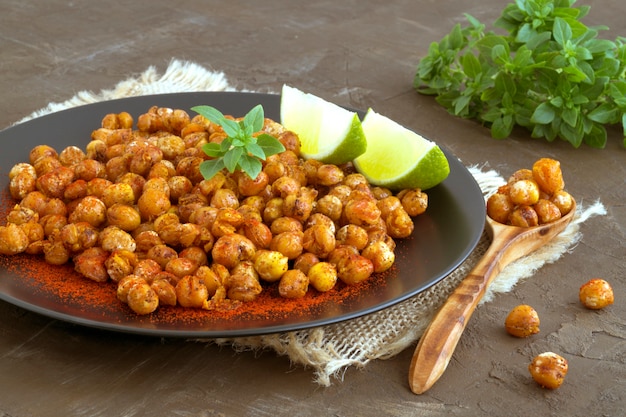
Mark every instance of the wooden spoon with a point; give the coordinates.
(439, 340)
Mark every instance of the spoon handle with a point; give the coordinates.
(440, 338)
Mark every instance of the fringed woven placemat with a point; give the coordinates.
(330, 350)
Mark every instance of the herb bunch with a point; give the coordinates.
(243, 148)
(549, 73)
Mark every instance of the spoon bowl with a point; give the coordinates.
(437, 344)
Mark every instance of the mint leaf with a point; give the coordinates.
(240, 149)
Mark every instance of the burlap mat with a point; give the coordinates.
(330, 350)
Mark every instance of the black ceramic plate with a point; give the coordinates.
(443, 238)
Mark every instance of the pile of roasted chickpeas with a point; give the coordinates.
(531, 196)
(134, 208)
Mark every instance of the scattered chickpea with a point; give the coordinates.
(548, 369)
(522, 321)
(596, 294)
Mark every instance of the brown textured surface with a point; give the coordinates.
(353, 53)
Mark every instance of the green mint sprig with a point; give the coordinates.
(241, 149)
(550, 74)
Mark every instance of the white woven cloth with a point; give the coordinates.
(330, 350)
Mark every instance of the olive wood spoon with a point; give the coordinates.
(437, 344)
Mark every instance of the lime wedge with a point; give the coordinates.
(328, 133)
(398, 158)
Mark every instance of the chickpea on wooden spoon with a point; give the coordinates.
(523, 215)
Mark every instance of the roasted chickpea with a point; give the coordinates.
(399, 223)
(319, 239)
(76, 190)
(120, 263)
(229, 250)
(20, 215)
(171, 146)
(270, 265)
(330, 206)
(162, 254)
(89, 169)
(13, 240)
(225, 198)
(381, 256)
(329, 175)
(249, 187)
(362, 212)
(522, 321)
(322, 276)
(293, 284)
(305, 261)
(524, 216)
(354, 269)
(113, 238)
(22, 184)
(191, 292)
(165, 291)
(179, 186)
(96, 149)
(547, 173)
(53, 183)
(288, 243)
(22, 167)
(243, 286)
(596, 294)
(123, 216)
(118, 193)
(520, 174)
(258, 232)
(91, 263)
(500, 207)
(41, 151)
(141, 298)
(210, 279)
(96, 187)
(152, 203)
(547, 211)
(196, 254)
(415, 201)
(286, 224)
(563, 200)
(300, 205)
(91, 210)
(352, 235)
(524, 192)
(548, 369)
(181, 267)
(77, 237)
(273, 210)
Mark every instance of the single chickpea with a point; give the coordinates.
(522, 321)
(548, 369)
(524, 192)
(322, 276)
(596, 294)
(293, 284)
(547, 173)
(191, 292)
(270, 265)
(524, 216)
(500, 207)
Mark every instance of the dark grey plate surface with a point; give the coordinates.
(443, 238)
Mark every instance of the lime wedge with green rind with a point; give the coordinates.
(328, 133)
(398, 158)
